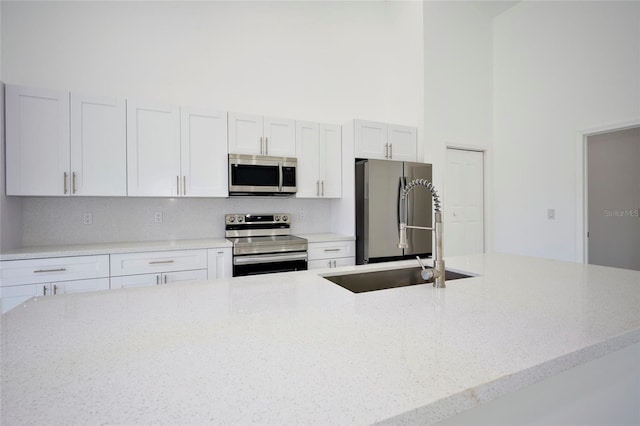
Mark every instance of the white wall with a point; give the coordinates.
(559, 68)
(320, 61)
(458, 86)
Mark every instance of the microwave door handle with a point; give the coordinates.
(279, 177)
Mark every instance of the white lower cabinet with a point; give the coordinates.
(331, 254)
(157, 279)
(160, 267)
(23, 279)
(220, 263)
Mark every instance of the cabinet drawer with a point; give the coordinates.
(160, 261)
(32, 271)
(331, 249)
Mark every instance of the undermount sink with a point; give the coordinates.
(382, 280)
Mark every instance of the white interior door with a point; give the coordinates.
(613, 180)
(463, 198)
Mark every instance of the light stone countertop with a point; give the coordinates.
(294, 348)
(326, 237)
(37, 252)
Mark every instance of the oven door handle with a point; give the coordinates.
(271, 258)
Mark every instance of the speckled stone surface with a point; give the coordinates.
(326, 237)
(111, 248)
(296, 349)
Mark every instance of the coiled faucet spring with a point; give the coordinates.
(426, 184)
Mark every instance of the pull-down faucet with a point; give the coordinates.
(438, 270)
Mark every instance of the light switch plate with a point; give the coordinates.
(87, 218)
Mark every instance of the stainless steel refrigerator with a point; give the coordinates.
(378, 185)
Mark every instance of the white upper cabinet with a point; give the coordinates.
(403, 142)
(258, 135)
(62, 144)
(279, 137)
(153, 149)
(98, 146)
(370, 139)
(204, 153)
(37, 141)
(319, 152)
(385, 141)
(176, 152)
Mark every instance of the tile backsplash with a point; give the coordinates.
(54, 221)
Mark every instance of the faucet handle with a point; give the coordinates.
(426, 273)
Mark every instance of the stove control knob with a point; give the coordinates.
(285, 218)
(231, 219)
(277, 218)
(240, 219)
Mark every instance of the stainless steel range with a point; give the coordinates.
(262, 244)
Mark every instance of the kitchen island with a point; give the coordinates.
(295, 348)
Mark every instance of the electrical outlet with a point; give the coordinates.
(551, 214)
(87, 218)
(158, 217)
(301, 215)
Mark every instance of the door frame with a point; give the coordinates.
(487, 241)
(582, 185)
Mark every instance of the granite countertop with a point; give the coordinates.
(295, 348)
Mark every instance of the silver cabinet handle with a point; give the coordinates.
(40, 271)
(184, 185)
(65, 183)
(318, 188)
(266, 146)
(261, 145)
(73, 184)
(55, 289)
(165, 279)
(157, 279)
(322, 187)
(390, 150)
(333, 249)
(177, 185)
(44, 290)
(335, 263)
(157, 262)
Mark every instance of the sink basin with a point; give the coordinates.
(381, 280)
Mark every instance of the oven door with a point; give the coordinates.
(269, 263)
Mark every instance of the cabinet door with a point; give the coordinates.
(143, 280)
(280, 137)
(308, 170)
(153, 150)
(370, 140)
(79, 286)
(10, 297)
(98, 146)
(183, 276)
(204, 153)
(37, 141)
(403, 142)
(220, 263)
(245, 134)
(330, 161)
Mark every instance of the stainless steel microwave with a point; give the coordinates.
(262, 175)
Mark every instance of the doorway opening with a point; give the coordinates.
(612, 198)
